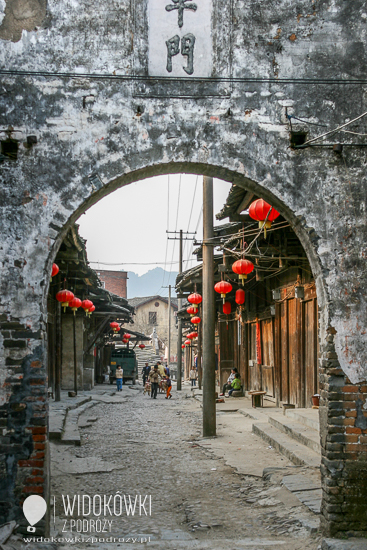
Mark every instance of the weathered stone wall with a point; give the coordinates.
(95, 134)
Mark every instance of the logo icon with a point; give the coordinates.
(34, 508)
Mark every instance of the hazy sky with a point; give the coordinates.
(127, 229)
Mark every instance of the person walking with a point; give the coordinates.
(119, 378)
(193, 376)
(168, 386)
(145, 373)
(153, 377)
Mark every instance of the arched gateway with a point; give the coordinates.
(96, 95)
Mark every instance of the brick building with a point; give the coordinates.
(114, 281)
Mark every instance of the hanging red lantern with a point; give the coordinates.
(191, 310)
(195, 321)
(187, 342)
(183, 346)
(258, 211)
(223, 287)
(141, 346)
(195, 299)
(65, 297)
(55, 270)
(243, 268)
(91, 309)
(194, 335)
(115, 326)
(227, 308)
(75, 304)
(86, 305)
(127, 336)
(240, 297)
(191, 336)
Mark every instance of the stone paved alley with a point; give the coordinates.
(136, 445)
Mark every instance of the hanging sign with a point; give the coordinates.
(180, 38)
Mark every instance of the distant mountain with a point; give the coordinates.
(150, 283)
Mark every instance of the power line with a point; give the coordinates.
(192, 207)
(165, 258)
(128, 78)
(133, 263)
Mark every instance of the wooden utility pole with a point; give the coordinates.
(169, 325)
(75, 358)
(200, 372)
(208, 334)
(179, 335)
(58, 355)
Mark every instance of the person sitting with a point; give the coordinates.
(236, 384)
(228, 384)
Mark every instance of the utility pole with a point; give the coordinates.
(179, 331)
(58, 356)
(179, 335)
(169, 325)
(208, 334)
(75, 358)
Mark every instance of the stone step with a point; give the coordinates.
(297, 431)
(308, 417)
(71, 434)
(59, 411)
(296, 452)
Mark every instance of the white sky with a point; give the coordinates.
(128, 227)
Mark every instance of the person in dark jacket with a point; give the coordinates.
(145, 373)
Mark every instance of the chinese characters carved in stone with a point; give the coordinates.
(187, 49)
(181, 6)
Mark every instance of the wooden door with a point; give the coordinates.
(267, 366)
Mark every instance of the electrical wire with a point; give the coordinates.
(335, 130)
(165, 257)
(192, 207)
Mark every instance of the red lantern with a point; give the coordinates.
(115, 326)
(141, 346)
(195, 321)
(243, 268)
(86, 305)
(187, 342)
(183, 346)
(91, 309)
(65, 297)
(194, 335)
(195, 299)
(190, 336)
(240, 297)
(191, 310)
(55, 270)
(227, 308)
(75, 304)
(127, 336)
(258, 211)
(223, 287)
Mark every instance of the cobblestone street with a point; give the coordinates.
(139, 446)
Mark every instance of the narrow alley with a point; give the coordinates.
(133, 445)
